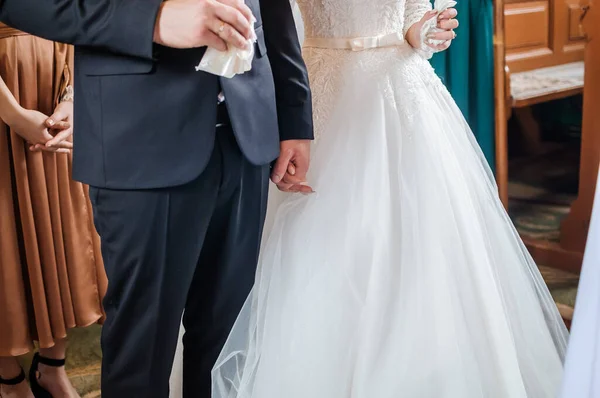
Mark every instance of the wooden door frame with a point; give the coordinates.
(576, 225)
(500, 103)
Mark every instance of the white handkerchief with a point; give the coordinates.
(228, 63)
(431, 25)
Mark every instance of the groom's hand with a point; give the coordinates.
(289, 172)
(199, 23)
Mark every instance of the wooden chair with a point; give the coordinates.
(539, 56)
(544, 47)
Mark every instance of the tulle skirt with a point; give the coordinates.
(583, 358)
(402, 276)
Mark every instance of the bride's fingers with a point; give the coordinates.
(284, 187)
(446, 35)
(441, 47)
(295, 184)
(448, 14)
(301, 188)
(448, 24)
(429, 15)
(294, 180)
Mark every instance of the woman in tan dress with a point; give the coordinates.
(51, 274)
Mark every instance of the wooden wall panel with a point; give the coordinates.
(541, 33)
(535, 16)
(576, 33)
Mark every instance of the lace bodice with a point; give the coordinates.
(356, 18)
(393, 70)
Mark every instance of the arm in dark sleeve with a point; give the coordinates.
(120, 26)
(294, 104)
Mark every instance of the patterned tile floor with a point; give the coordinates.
(83, 360)
(541, 191)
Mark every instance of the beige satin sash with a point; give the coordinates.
(357, 43)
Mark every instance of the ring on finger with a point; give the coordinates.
(221, 28)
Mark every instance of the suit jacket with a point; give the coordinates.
(144, 117)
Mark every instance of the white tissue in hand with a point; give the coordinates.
(443, 5)
(431, 25)
(228, 63)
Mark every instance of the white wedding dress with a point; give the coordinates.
(402, 276)
(582, 365)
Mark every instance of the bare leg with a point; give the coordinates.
(9, 369)
(54, 379)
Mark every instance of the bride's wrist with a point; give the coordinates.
(416, 36)
(413, 36)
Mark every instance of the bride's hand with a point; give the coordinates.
(445, 21)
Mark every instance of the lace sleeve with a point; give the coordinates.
(415, 10)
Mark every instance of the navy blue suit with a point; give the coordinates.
(179, 203)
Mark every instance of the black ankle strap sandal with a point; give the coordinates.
(35, 375)
(12, 382)
(15, 380)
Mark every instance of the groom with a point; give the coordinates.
(178, 181)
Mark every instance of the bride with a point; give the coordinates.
(402, 275)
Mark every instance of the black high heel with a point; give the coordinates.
(14, 381)
(34, 374)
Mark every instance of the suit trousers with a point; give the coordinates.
(192, 247)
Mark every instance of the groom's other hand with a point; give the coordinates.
(289, 172)
(199, 23)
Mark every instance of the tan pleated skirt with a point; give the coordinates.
(51, 273)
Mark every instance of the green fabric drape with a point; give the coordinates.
(467, 69)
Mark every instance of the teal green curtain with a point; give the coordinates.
(467, 69)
